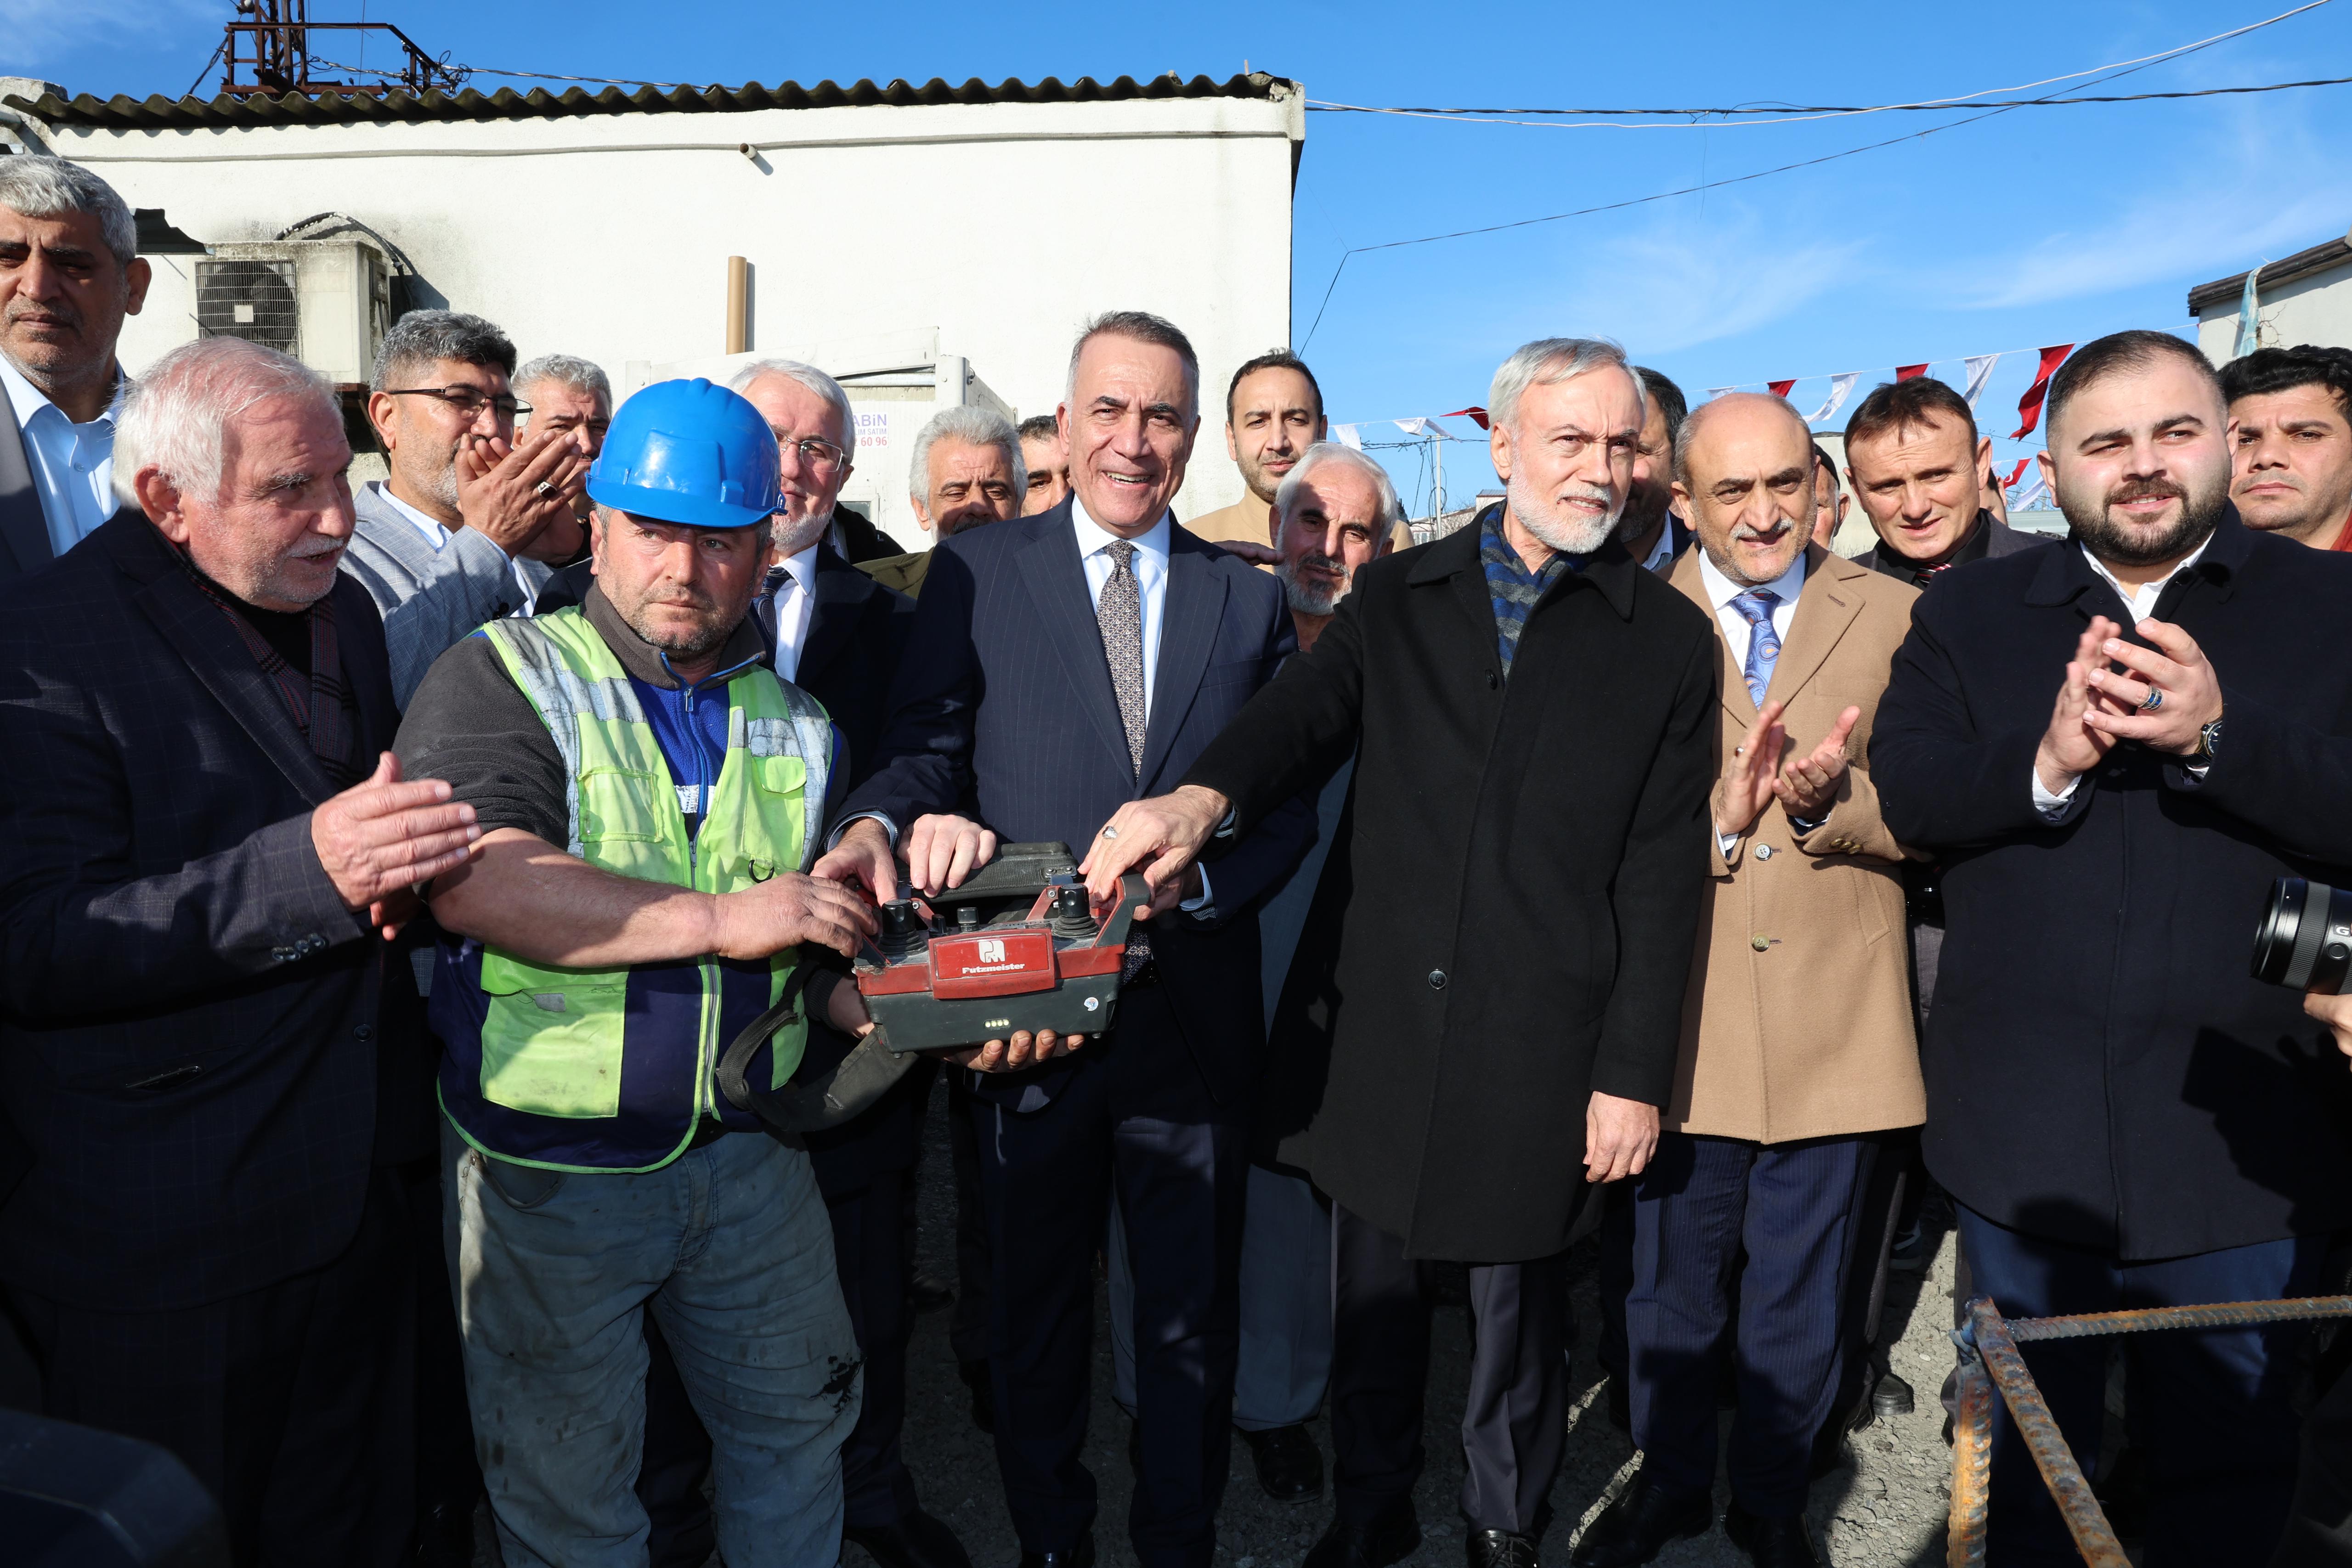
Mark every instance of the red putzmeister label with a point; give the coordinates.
(1002, 964)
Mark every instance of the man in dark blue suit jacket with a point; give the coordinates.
(212, 1057)
(1062, 666)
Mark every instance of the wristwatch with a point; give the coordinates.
(2209, 740)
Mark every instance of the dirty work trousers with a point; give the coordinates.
(727, 1246)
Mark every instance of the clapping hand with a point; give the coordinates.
(380, 839)
(1807, 786)
(2186, 692)
(1751, 776)
(2073, 744)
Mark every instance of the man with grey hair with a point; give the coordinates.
(463, 530)
(1062, 665)
(1431, 1051)
(1324, 528)
(965, 469)
(69, 272)
(564, 392)
(817, 433)
(215, 1062)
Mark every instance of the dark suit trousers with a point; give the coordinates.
(2210, 1409)
(968, 1330)
(293, 1404)
(869, 1251)
(2319, 1532)
(1514, 1429)
(1136, 1115)
(1796, 1209)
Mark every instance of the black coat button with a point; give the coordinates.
(1437, 979)
(1493, 680)
(366, 1031)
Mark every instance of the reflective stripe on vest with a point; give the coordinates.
(553, 1039)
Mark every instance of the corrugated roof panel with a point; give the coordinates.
(122, 111)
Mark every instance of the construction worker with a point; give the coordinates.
(649, 794)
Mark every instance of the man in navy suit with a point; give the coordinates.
(1060, 666)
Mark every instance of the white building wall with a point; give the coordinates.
(607, 236)
(2313, 309)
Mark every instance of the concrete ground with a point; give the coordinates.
(1884, 1508)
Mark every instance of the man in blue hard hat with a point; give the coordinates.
(650, 795)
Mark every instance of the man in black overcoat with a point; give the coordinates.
(1483, 1016)
(214, 1058)
(2115, 746)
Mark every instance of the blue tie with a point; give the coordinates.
(1755, 607)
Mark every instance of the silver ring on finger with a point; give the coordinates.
(544, 488)
(2153, 701)
(1110, 832)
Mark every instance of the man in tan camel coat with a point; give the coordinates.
(1797, 1034)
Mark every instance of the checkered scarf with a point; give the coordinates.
(1514, 588)
(320, 707)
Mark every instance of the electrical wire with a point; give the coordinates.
(462, 72)
(1788, 114)
(2127, 69)
(1463, 117)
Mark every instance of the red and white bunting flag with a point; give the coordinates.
(2015, 474)
(1910, 373)
(1781, 389)
(2030, 405)
(1475, 414)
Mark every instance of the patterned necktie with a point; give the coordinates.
(1755, 607)
(1119, 615)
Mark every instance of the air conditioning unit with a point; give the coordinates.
(326, 302)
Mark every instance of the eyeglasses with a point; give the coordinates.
(468, 401)
(822, 456)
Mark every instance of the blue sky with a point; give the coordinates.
(2041, 225)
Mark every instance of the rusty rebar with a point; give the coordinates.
(2094, 1538)
(2215, 1315)
(1971, 1465)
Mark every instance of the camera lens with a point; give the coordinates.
(2305, 940)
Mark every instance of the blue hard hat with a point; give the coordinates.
(690, 453)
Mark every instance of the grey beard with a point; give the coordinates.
(442, 487)
(1305, 600)
(792, 538)
(1571, 539)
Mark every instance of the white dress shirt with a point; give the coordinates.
(72, 464)
(437, 534)
(1150, 568)
(2054, 805)
(1721, 591)
(1149, 564)
(795, 605)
